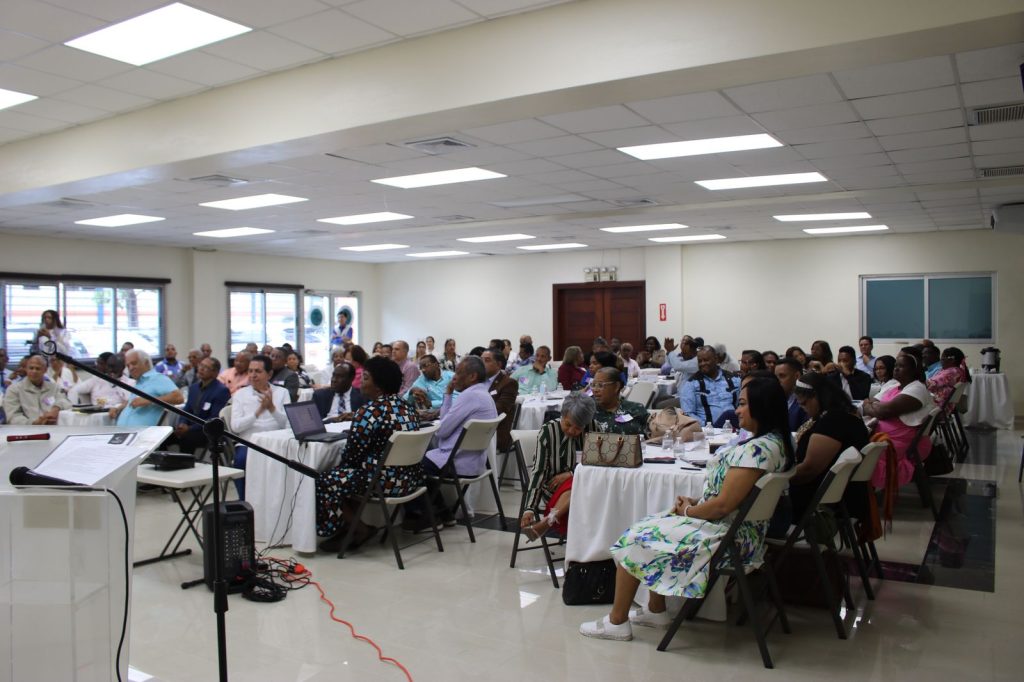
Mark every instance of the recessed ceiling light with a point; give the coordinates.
(841, 230)
(712, 145)
(541, 201)
(447, 177)
(551, 247)
(762, 181)
(232, 232)
(646, 228)
(364, 218)
(375, 247)
(158, 34)
(497, 238)
(437, 254)
(254, 201)
(688, 238)
(120, 220)
(814, 217)
(11, 98)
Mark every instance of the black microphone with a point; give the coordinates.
(23, 476)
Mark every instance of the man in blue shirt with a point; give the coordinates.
(537, 374)
(866, 361)
(169, 366)
(932, 363)
(711, 394)
(206, 398)
(139, 411)
(427, 392)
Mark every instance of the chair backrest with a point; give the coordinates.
(643, 392)
(958, 392)
(841, 472)
(406, 448)
(477, 433)
(770, 488)
(555, 364)
(225, 415)
(871, 453)
(527, 440)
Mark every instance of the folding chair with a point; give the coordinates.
(759, 506)
(643, 392)
(829, 492)
(920, 479)
(526, 441)
(865, 553)
(476, 435)
(405, 448)
(506, 454)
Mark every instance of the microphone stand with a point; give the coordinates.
(216, 433)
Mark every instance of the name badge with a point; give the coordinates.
(206, 406)
(623, 418)
(49, 400)
(495, 392)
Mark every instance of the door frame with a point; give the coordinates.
(557, 289)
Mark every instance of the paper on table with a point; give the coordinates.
(87, 460)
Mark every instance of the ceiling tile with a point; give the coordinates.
(943, 176)
(935, 166)
(948, 151)
(593, 120)
(529, 167)
(515, 131)
(263, 51)
(10, 134)
(61, 111)
(998, 91)
(684, 107)
(843, 131)
(807, 117)
(333, 32)
(714, 127)
(585, 160)
(997, 131)
(556, 146)
(259, 13)
(950, 118)
(631, 136)
(999, 160)
(494, 8)
(904, 104)
(785, 94)
(993, 62)
(998, 146)
(103, 98)
(11, 118)
(68, 62)
(859, 161)
(820, 150)
(931, 138)
(202, 68)
(45, 21)
(405, 18)
(148, 83)
(887, 79)
(14, 45)
(14, 77)
(110, 10)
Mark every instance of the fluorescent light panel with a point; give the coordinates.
(375, 247)
(447, 177)
(254, 201)
(645, 228)
(762, 181)
(364, 218)
(552, 247)
(844, 230)
(437, 254)
(12, 98)
(688, 238)
(712, 145)
(232, 232)
(120, 220)
(815, 217)
(156, 35)
(497, 238)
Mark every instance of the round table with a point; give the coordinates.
(305, 394)
(73, 418)
(988, 401)
(533, 406)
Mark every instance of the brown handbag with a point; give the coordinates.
(612, 450)
(672, 420)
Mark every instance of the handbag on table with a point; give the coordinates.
(675, 421)
(612, 450)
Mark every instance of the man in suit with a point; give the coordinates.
(787, 371)
(206, 398)
(282, 376)
(338, 402)
(504, 390)
(845, 371)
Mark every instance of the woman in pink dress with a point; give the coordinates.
(953, 372)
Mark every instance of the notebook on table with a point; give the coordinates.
(306, 424)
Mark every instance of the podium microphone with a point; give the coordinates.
(23, 476)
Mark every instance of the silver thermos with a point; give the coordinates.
(990, 359)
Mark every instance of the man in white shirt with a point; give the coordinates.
(101, 392)
(254, 408)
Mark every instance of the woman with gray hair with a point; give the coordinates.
(551, 480)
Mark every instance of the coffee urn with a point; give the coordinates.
(990, 359)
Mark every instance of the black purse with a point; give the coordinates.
(589, 582)
(939, 463)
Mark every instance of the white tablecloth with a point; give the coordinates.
(271, 487)
(305, 394)
(989, 401)
(72, 418)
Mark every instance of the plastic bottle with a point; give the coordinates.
(709, 430)
(727, 428)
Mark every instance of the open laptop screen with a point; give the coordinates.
(304, 418)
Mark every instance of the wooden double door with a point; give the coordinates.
(583, 312)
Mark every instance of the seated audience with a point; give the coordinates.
(125, 347)
(376, 348)
(788, 371)
(372, 426)
(932, 361)
(550, 486)
(34, 400)
(711, 394)
(190, 371)
(571, 372)
(726, 361)
(751, 361)
(601, 359)
(428, 345)
(5, 376)
(525, 357)
(338, 402)
(884, 367)
(254, 408)
(449, 359)
(169, 366)
(822, 352)
(138, 411)
(536, 375)
(427, 392)
(385, 351)
(687, 536)
(357, 357)
(294, 363)
(503, 390)
(236, 376)
(102, 393)
(845, 374)
(63, 376)
(600, 345)
(474, 403)
(796, 353)
(282, 376)
(251, 348)
(954, 371)
(205, 349)
(684, 360)
(615, 415)
(410, 371)
(631, 367)
(900, 410)
(866, 361)
(771, 358)
(206, 398)
(655, 353)
(421, 350)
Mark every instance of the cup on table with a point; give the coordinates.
(579, 456)
(679, 447)
(667, 443)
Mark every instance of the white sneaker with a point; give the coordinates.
(605, 629)
(647, 619)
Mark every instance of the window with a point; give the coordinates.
(941, 307)
(99, 316)
(262, 316)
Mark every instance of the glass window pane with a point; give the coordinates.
(317, 331)
(281, 323)
(960, 308)
(23, 308)
(138, 319)
(352, 304)
(88, 314)
(246, 313)
(895, 308)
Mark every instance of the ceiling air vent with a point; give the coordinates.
(219, 180)
(633, 203)
(1003, 113)
(1001, 172)
(438, 145)
(65, 202)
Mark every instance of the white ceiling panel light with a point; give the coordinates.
(645, 228)
(12, 98)
(818, 217)
(156, 35)
(254, 201)
(846, 230)
(552, 247)
(497, 238)
(232, 232)
(437, 254)
(712, 145)
(762, 181)
(120, 220)
(375, 247)
(688, 238)
(364, 218)
(447, 177)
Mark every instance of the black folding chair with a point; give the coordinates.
(505, 455)
(920, 479)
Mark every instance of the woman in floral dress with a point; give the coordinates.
(372, 426)
(670, 552)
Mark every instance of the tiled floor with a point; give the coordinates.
(465, 615)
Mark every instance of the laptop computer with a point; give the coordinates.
(306, 424)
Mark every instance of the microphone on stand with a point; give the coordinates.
(23, 476)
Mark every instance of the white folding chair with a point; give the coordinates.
(865, 553)
(643, 392)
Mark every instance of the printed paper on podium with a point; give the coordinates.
(88, 459)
